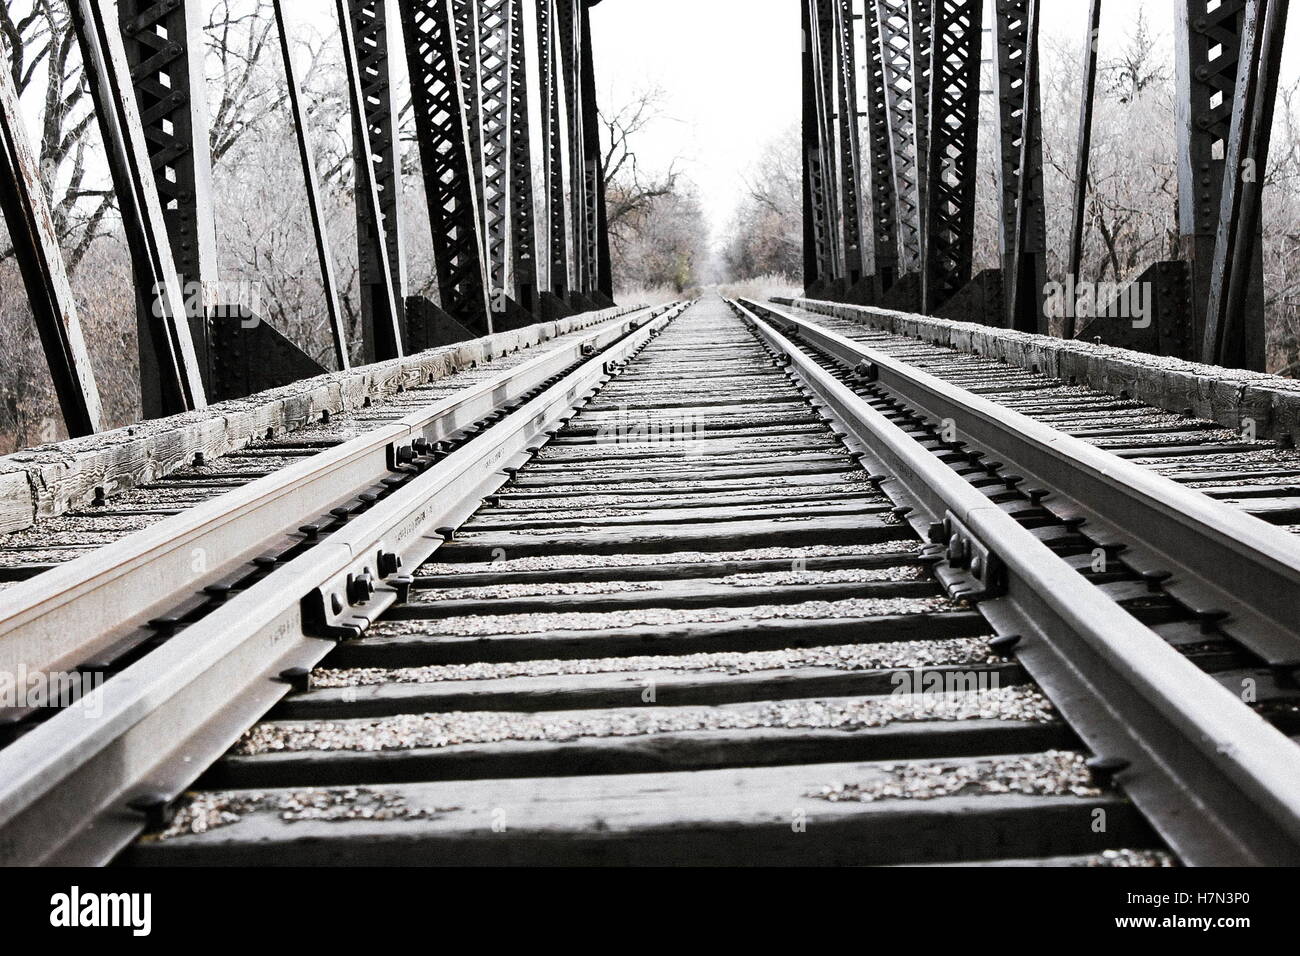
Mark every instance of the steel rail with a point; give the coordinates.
(1234, 568)
(1215, 780)
(56, 620)
(66, 787)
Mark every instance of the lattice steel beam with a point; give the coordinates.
(1207, 45)
(818, 249)
(904, 52)
(523, 223)
(855, 264)
(884, 209)
(1022, 230)
(921, 14)
(170, 378)
(1229, 338)
(953, 131)
(494, 133)
(442, 81)
(550, 72)
(167, 72)
(383, 272)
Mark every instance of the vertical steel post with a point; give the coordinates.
(951, 164)
(165, 50)
(1022, 220)
(824, 42)
(1207, 44)
(816, 217)
(36, 247)
(593, 166)
(549, 67)
(380, 246)
(1087, 99)
(307, 157)
(1232, 336)
(170, 379)
(569, 28)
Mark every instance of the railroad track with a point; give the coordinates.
(110, 516)
(726, 590)
(1260, 477)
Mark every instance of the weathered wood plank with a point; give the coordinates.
(617, 689)
(420, 649)
(687, 594)
(661, 538)
(763, 815)
(657, 753)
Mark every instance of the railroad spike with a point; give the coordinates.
(298, 679)
(1004, 645)
(158, 810)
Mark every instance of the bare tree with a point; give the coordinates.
(79, 203)
(629, 188)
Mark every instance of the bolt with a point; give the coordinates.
(958, 552)
(360, 587)
(298, 679)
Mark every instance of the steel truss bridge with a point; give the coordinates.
(469, 83)
(890, 128)
(883, 574)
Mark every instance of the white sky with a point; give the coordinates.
(730, 71)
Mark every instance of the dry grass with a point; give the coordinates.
(649, 295)
(762, 287)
